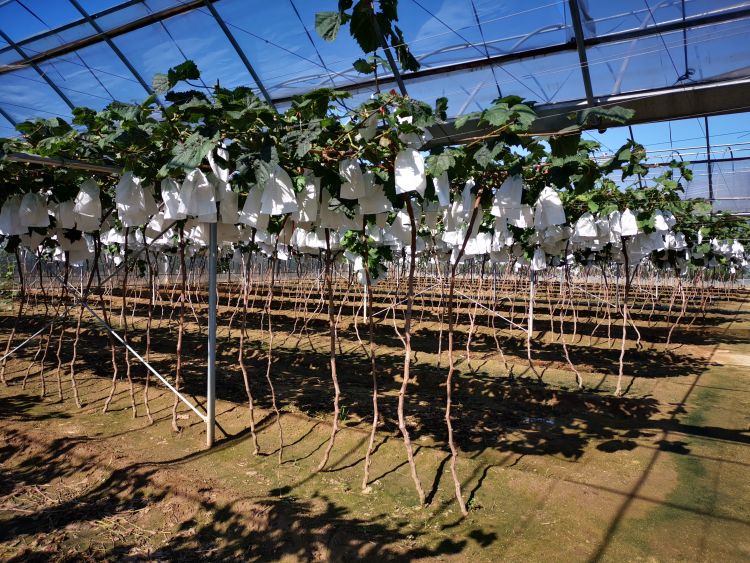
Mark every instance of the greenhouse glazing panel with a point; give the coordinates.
(602, 18)
(107, 15)
(638, 64)
(127, 13)
(713, 52)
(467, 91)
(337, 55)
(94, 6)
(35, 16)
(280, 51)
(49, 41)
(548, 79)
(24, 95)
(545, 79)
(730, 186)
(160, 46)
(719, 51)
(200, 39)
(93, 77)
(447, 32)
(698, 186)
(730, 130)
(519, 26)
(675, 134)
(702, 7)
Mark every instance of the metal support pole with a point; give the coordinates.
(211, 383)
(581, 48)
(61, 162)
(389, 55)
(532, 287)
(364, 311)
(8, 117)
(709, 166)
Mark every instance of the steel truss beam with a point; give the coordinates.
(61, 163)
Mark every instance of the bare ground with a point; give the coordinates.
(550, 473)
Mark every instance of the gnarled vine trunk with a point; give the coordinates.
(407, 357)
(21, 303)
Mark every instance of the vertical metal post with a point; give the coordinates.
(211, 376)
(532, 284)
(367, 288)
(709, 166)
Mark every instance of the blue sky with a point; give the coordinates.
(289, 56)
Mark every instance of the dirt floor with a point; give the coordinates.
(550, 473)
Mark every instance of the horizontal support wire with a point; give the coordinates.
(37, 333)
(140, 358)
(491, 311)
(404, 300)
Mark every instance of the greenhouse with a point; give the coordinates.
(374, 279)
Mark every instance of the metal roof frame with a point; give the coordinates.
(581, 48)
(99, 37)
(107, 36)
(9, 118)
(484, 62)
(576, 43)
(705, 98)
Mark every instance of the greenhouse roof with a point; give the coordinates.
(670, 60)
